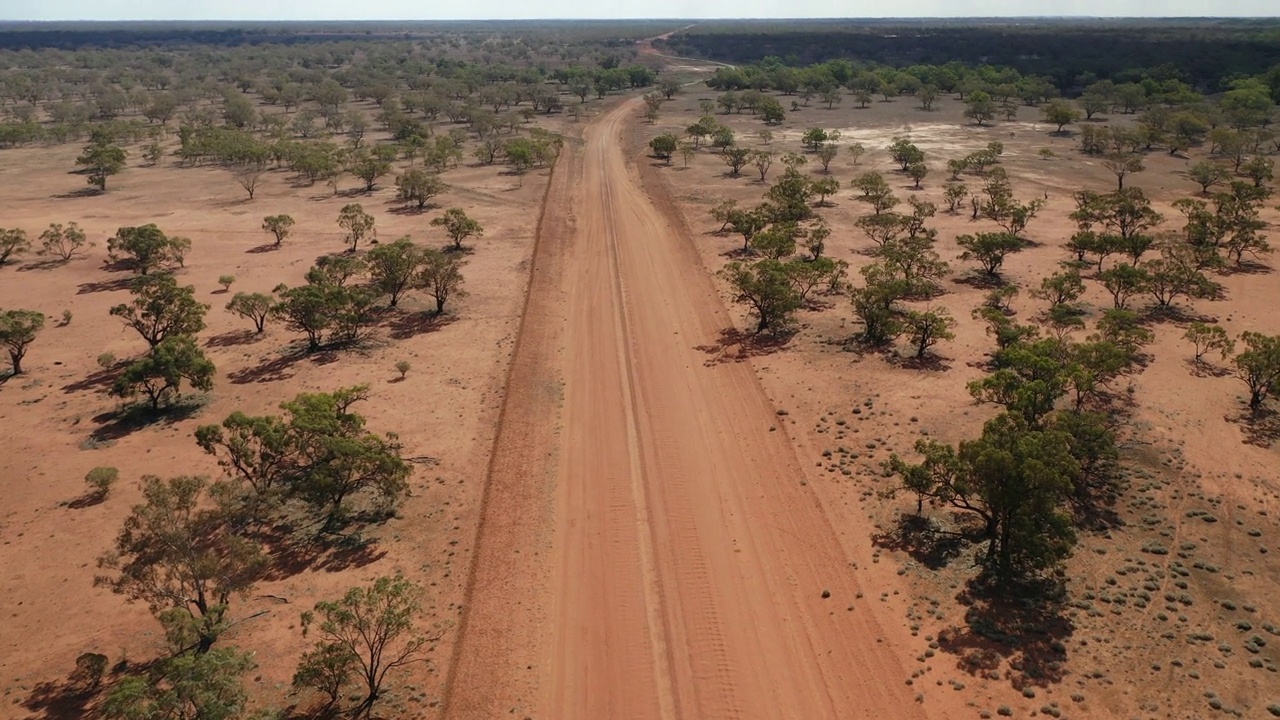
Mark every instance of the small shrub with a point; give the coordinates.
(107, 360)
(66, 318)
(225, 281)
(100, 480)
(403, 368)
(89, 670)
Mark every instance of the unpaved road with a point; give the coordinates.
(648, 550)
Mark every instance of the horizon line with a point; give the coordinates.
(639, 19)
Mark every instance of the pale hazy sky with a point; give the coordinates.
(522, 9)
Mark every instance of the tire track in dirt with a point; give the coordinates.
(689, 561)
(497, 639)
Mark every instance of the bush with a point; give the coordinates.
(225, 281)
(100, 480)
(107, 360)
(403, 368)
(89, 669)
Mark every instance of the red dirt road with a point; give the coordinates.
(648, 550)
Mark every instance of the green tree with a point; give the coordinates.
(917, 172)
(18, 329)
(979, 107)
(255, 307)
(766, 288)
(369, 166)
(459, 227)
(357, 223)
(145, 248)
(824, 188)
(101, 159)
(875, 304)
(1060, 288)
(13, 242)
(777, 242)
(179, 557)
(393, 267)
(1207, 338)
(327, 668)
(989, 249)
(905, 153)
(771, 111)
(1207, 173)
(159, 375)
(826, 154)
(664, 146)
(1123, 282)
(336, 270)
(1017, 479)
(814, 138)
(1169, 278)
(790, 197)
(875, 192)
(253, 450)
(1258, 365)
(748, 222)
(310, 309)
(161, 308)
(1259, 169)
(441, 276)
(954, 194)
(205, 686)
(419, 186)
(100, 481)
(375, 625)
(763, 160)
(1061, 113)
(59, 240)
(1123, 163)
(340, 458)
(736, 158)
(927, 328)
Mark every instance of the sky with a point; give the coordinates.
(525, 9)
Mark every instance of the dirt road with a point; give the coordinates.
(648, 550)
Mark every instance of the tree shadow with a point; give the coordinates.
(1260, 426)
(1202, 368)
(294, 551)
(234, 337)
(1248, 267)
(264, 248)
(104, 286)
(40, 265)
(87, 500)
(738, 253)
(734, 345)
(116, 424)
(98, 380)
(60, 700)
(404, 324)
(1176, 314)
(1025, 626)
(920, 538)
(931, 362)
(980, 280)
(81, 193)
(276, 369)
(402, 208)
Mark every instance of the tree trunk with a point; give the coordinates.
(16, 357)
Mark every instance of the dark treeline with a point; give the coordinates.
(88, 35)
(1203, 53)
